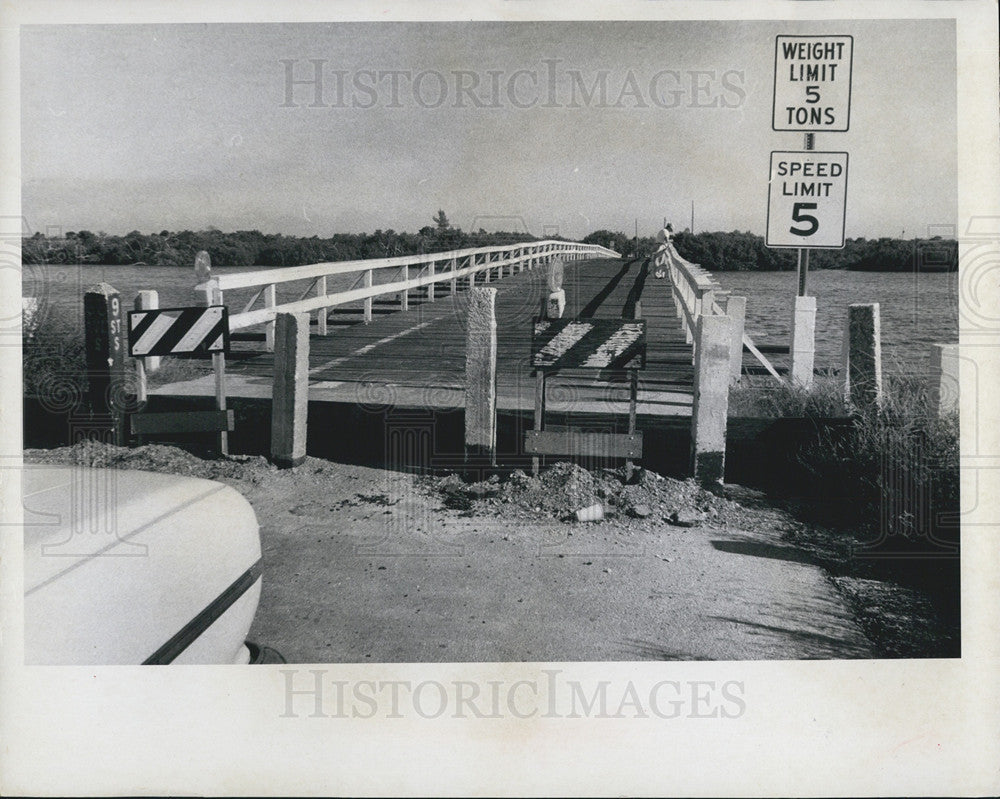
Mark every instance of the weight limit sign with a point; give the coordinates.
(807, 199)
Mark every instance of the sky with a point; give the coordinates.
(154, 127)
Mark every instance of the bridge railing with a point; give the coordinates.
(695, 290)
(696, 293)
(382, 276)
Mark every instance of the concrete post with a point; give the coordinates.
(146, 301)
(290, 397)
(803, 345)
(481, 374)
(736, 310)
(944, 378)
(863, 355)
(711, 398)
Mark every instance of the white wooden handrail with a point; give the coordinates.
(457, 264)
(694, 288)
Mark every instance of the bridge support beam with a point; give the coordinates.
(481, 375)
(863, 356)
(944, 378)
(803, 344)
(290, 397)
(713, 339)
(736, 309)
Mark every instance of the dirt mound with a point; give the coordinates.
(564, 488)
(150, 458)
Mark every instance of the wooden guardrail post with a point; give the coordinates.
(944, 378)
(555, 304)
(368, 300)
(863, 355)
(803, 345)
(711, 398)
(404, 295)
(270, 300)
(290, 394)
(148, 301)
(736, 310)
(481, 375)
(104, 347)
(454, 280)
(431, 287)
(322, 312)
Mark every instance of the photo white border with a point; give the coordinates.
(810, 728)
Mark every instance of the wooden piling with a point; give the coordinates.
(481, 374)
(290, 397)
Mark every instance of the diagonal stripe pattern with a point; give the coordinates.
(178, 331)
(589, 344)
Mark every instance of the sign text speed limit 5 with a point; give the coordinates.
(806, 199)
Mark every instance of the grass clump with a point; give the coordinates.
(897, 462)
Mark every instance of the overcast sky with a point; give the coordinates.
(187, 126)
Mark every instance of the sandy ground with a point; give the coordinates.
(368, 565)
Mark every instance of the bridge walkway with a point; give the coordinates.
(416, 358)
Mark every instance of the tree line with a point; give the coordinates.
(743, 252)
(253, 248)
(717, 251)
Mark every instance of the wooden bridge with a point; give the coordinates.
(392, 332)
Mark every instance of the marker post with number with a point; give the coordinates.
(105, 355)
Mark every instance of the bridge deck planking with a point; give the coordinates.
(424, 347)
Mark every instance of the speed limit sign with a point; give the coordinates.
(806, 199)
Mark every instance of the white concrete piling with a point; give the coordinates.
(481, 373)
(803, 344)
(711, 398)
(290, 397)
(736, 310)
(944, 378)
(863, 355)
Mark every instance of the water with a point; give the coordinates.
(917, 309)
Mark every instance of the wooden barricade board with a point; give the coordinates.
(614, 344)
(178, 331)
(603, 344)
